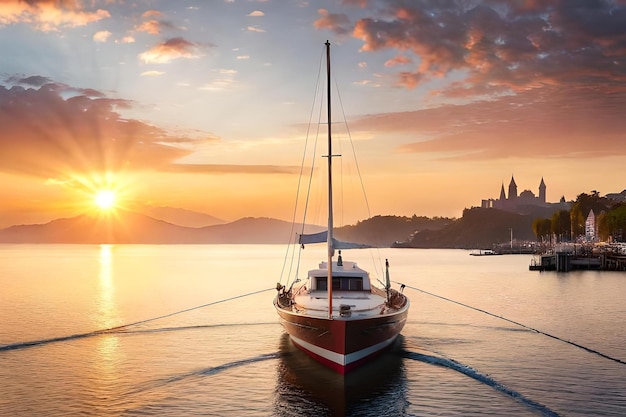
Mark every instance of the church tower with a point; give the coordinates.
(542, 191)
(512, 189)
(502, 195)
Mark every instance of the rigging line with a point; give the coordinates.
(21, 345)
(378, 264)
(519, 324)
(319, 90)
(295, 209)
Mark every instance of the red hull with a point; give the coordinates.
(343, 344)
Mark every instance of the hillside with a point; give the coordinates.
(478, 228)
(383, 231)
(130, 227)
(177, 216)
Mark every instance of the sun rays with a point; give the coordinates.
(105, 199)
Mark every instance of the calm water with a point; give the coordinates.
(232, 358)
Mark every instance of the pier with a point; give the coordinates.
(567, 258)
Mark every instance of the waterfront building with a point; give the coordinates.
(518, 203)
(591, 231)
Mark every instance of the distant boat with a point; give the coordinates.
(485, 252)
(336, 315)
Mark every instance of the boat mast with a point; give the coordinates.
(329, 242)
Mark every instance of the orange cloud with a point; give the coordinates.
(532, 124)
(232, 169)
(398, 60)
(54, 130)
(511, 47)
(170, 50)
(152, 27)
(151, 13)
(338, 23)
(102, 36)
(49, 15)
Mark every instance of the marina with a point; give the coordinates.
(565, 258)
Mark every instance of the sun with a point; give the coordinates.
(105, 199)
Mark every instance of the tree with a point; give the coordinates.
(541, 228)
(613, 223)
(560, 225)
(582, 206)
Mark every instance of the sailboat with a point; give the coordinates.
(336, 315)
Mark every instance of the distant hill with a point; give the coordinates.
(177, 216)
(617, 197)
(128, 227)
(478, 228)
(252, 230)
(383, 231)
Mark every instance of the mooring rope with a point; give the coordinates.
(517, 323)
(21, 345)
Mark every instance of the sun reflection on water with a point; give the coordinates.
(107, 308)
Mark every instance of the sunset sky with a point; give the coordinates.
(204, 105)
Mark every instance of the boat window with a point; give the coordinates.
(341, 283)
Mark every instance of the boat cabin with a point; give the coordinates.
(346, 277)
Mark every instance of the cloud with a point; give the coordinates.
(225, 80)
(504, 46)
(534, 124)
(49, 15)
(256, 13)
(154, 27)
(233, 169)
(151, 13)
(102, 36)
(255, 29)
(152, 73)
(126, 39)
(338, 23)
(170, 50)
(57, 131)
(360, 3)
(398, 60)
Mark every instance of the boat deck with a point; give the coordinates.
(362, 304)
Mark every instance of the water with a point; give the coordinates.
(233, 358)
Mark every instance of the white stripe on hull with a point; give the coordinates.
(340, 359)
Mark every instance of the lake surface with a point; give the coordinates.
(561, 352)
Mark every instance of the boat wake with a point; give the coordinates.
(207, 371)
(560, 339)
(480, 377)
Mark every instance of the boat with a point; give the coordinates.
(485, 252)
(336, 314)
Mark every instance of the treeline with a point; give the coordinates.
(383, 231)
(478, 228)
(566, 225)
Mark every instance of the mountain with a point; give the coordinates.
(177, 216)
(251, 230)
(134, 228)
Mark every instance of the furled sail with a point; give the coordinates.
(321, 237)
